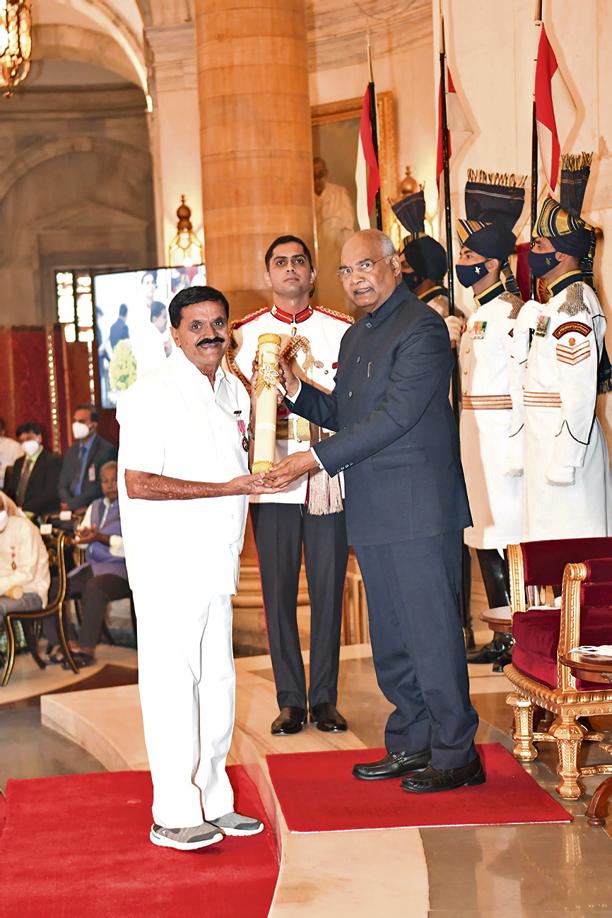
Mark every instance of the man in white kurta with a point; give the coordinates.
(183, 477)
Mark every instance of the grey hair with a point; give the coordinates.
(387, 247)
(111, 464)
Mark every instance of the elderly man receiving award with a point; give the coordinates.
(406, 505)
(184, 482)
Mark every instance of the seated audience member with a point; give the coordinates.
(103, 576)
(24, 563)
(10, 450)
(34, 476)
(79, 480)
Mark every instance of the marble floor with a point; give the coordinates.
(528, 870)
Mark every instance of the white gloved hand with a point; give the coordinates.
(562, 475)
(455, 327)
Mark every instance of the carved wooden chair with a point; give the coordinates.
(544, 635)
(57, 565)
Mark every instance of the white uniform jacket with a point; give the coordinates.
(567, 472)
(322, 331)
(488, 431)
(174, 424)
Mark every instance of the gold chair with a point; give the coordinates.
(55, 544)
(544, 636)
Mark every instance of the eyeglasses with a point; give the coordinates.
(297, 261)
(364, 267)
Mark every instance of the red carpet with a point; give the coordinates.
(79, 846)
(318, 793)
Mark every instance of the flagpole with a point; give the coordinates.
(374, 123)
(534, 154)
(464, 592)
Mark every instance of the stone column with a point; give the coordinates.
(255, 137)
(175, 128)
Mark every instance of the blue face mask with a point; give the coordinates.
(540, 263)
(468, 275)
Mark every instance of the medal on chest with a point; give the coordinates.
(542, 326)
(242, 431)
(478, 330)
(13, 558)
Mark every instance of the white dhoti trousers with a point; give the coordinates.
(187, 691)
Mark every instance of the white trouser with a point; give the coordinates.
(187, 687)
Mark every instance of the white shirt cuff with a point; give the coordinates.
(319, 463)
(294, 397)
(116, 546)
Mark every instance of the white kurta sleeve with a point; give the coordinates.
(141, 442)
(577, 358)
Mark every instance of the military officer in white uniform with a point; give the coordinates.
(491, 437)
(310, 513)
(567, 468)
(182, 490)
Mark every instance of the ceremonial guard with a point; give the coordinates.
(424, 262)
(560, 346)
(309, 515)
(490, 434)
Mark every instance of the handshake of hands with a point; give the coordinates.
(282, 473)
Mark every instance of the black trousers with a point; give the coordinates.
(95, 593)
(494, 570)
(412, 589)
(281, 530)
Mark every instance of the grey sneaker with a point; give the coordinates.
(235, 824)
(188, 839)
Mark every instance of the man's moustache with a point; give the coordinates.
(215, 340)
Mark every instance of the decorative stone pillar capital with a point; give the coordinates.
(173, 54)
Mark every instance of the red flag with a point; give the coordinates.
(555, 109)
(456, 120)
(368, 150)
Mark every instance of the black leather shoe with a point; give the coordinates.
(394, 765)
(498, 666)
(491, 652)
(433, 779)
(290, 720)
(327, 718)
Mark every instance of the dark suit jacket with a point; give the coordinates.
(397, 438)
(101, 451)
(41, 494)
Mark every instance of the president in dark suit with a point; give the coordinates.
(406, 507)
(34, 477)
(79, 481)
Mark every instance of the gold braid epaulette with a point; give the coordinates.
(574, 300)
(343, 316)
(515, 302)
(230, 354)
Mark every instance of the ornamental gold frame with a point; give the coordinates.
(387, 143)
(566, 701)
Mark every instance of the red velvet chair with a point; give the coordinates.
(543, 635)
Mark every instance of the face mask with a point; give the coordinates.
(468, 275)
(541, 263)
(30, 447)
(80, 430)
(3, 520)
(412, 279)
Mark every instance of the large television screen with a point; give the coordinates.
(132, 323)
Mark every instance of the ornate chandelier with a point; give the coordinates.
(185, 248)
(15, 43)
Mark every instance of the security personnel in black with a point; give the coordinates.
(406, 507)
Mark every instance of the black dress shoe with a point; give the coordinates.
(489, 653)
(498, 666)
(394, 765)
(327, 718)
(433, 779)
(290, 720)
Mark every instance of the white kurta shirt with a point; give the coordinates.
(24, 561)
(174, 424)
(324, 332)
(567, 469)
(488, 433)
(10, 450)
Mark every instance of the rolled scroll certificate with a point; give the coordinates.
(268, 349)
